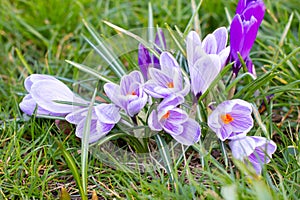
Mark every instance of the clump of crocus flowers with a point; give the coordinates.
(161, 85)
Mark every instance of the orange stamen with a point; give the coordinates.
(133, 93)
(166, 116)
(227, 118)
(170, 85)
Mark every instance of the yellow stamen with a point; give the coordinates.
(166, 116)
(170, 85)
(227, 118)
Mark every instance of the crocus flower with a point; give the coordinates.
(175, 121)
(146, 59)
(103, 119)
(43, 91)
(205, 59)
(243, 31)
(258, 150)
(130, 95)
(231, 119)
(168, 80)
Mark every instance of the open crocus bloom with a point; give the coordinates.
(258, 150)
(146, 59)
(43, 91)
(167, 81)
(130, 95)
(103, 119)
(231, 119)
(206, 59)
(243, 31)
(175, 121)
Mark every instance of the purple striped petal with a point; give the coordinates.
(144, 60)
(108, 113)
(35, 78)
(153, 122)
(190, 134)
(45, 92)
(221, 37)
(242, 148)
(209, 44)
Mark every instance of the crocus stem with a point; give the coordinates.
(232, 90)
(224, 153)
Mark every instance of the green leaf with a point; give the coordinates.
(85, 143)
(89, 71)
(73, 167)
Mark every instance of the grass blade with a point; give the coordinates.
(85, 144)
(73, 167)
(161, 143)
(89, 71)
(138, 38)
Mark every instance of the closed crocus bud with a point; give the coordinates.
(243, 31)
(44, 93)
(147, 60)
(206, 59)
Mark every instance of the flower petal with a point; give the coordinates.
(173, 100)
(236, 36)
(28, 106)
(178, 116)
(153, 122)
(194, 49)
(223, 55)
(112, 90)
(203, 73)
(221, 37)
(190, 134)
(135, 106)
(242, 148)
(35, 78)
(144, 60)
(168, 63)
(172, 128)
(94, 134)
(46, 92)
(209, 44)
(108, 113)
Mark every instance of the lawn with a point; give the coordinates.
(41, 157)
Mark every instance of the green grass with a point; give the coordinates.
(38, 36)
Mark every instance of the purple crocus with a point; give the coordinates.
(103, 119)
(130, 95)
(175, 121)
(258, 150)
(43, 91)
(206, 59)
(231, 119)
(146, 59)
(168, 80)
(243, 31)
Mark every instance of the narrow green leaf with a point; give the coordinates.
(21, 57)
(73, 167)
(138, 38)
(164, 152)
(109, 56)
(85, 144)
(189, 24)
(108, 59)
(176, 40)
(89, 71)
